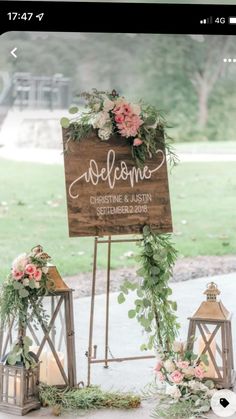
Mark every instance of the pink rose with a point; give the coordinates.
(119, 118)
(199, 372)
(130, 126)
(176, 377)
(17, 274)
(38, 275)
(30, 269)
(158, 366)
(137, 142)
(160, 376)
(182, 364)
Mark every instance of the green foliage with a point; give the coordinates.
(153, 308)
(20, 353)
(190, 406)
(181, 410)
(86, 398)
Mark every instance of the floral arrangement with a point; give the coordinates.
(181, 374)
(22, 289)
(107, 114)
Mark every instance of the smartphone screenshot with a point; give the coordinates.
(117, 209)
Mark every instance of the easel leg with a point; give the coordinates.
(107, 300)
(92, 312)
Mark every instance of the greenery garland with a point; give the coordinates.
(153, 307)
(85, 398)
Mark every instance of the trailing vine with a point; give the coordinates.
(153, 308)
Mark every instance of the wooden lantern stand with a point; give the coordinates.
(92, 349)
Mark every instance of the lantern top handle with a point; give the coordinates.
(38, 251)
(212, 291)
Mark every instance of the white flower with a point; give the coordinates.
(178, 346)
(169, 365)
(101, 119)
(36, 284)
(210, 393)
(26, 282)
(105, 133)
(96, 107)
(108, 105)
(45, 269)
(173, 391)
(20, 262)
(135, 108)
(197, 386)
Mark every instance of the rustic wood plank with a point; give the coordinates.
(108, 195)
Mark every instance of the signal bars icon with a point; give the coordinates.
(206, 21)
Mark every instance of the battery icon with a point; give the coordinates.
(232, 20)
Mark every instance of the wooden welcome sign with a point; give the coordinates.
(107, 194)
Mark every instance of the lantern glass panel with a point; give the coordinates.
(208, 340)
(52, 351)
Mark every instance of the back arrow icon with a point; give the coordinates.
(13, 52)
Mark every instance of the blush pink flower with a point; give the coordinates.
(158, 366)
(17, 274)
(176, 377)
(119, 118)
(122, 107)
(130, 126)
(137, 142)
(30, 269)
(38, 275)
(160, 376)
(199, 372)
(182, 364)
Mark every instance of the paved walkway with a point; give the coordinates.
(126, 337)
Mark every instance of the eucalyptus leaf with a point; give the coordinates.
(11, 359)
(23, 293)
(143, 347)
(27, 341)
(31, 284)
(140, 293)
(65, 122)
(131, 314)
(146, 303)
(17, 285)
(73, 109)
(121, 298)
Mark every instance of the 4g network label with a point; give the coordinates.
(108, 194)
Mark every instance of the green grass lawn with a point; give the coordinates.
(33, 211)
(207, 147)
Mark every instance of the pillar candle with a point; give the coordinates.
(54, 376)
(211, 372)
(43, 364)
(14, 390)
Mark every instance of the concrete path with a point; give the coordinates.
(125, 339)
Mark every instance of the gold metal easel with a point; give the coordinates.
(92, 349)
